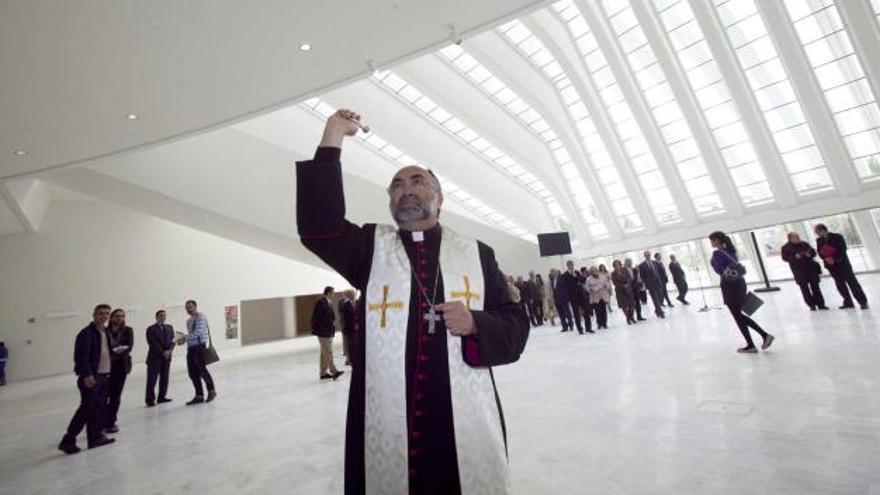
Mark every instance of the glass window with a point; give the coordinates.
(839, 73)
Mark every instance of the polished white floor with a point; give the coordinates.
(666, 406)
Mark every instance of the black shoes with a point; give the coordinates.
(68, 445)
(846, 306)
(336, 375)
(823, 308)
(100, 442)
(750, 349)
(589, 331)
(151, 404)
(641, 319)
(211, 396)
(768, 341)
(864, 306)
(196, 400)
(111, 429)
(326, 376)
(163, 400)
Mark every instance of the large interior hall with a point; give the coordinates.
(415, 247)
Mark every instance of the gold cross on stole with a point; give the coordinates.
(385, 306)
(466, 294)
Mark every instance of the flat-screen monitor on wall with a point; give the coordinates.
(554, 244)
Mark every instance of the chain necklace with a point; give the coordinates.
(431, 316)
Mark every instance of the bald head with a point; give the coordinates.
(415, 198)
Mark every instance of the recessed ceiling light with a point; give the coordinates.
(132, 116)
(20, 152)
(305, 47)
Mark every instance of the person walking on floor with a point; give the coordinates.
(733, 289)
(197, 340)
(622, 281)
(806, 270)
(121, 338)
(323, 328)
(831, 247)
(91, 358)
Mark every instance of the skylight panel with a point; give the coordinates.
(714, 98)
(840, 75)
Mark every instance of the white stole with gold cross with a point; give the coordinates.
(482, 458)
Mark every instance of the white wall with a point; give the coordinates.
(88, 253)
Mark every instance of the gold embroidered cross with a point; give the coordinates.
(467, 294)
(385, 306)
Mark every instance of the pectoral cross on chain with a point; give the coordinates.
(432, 318)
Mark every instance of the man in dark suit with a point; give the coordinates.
(160, 340)
(349, 324)
(651, 278)
(832, 249)
(664, 278)
(91, 357)
(678, 278)
(322, 327)
(561, 299)
(576, 296)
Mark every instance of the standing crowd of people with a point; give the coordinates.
(102, 362)
(576, 297)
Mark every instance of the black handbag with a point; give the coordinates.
(209, 353)
(752, 303)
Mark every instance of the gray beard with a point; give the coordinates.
(413, 213)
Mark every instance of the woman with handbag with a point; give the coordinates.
(733, 289)
(799, 256)
(198, 344)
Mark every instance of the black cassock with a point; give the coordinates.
(502, 328)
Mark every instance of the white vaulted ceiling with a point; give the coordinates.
(630, 123)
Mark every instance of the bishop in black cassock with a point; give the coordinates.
(493, 336)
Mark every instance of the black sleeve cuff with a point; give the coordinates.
(327, 154)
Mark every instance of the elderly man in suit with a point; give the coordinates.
(650, 276)
(160, 340)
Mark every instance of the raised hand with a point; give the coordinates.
(339, 125)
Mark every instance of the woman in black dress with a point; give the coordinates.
(733, 289)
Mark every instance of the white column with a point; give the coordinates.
(288, 318)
